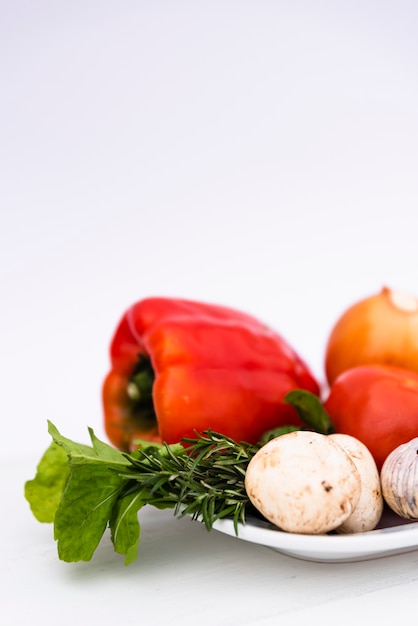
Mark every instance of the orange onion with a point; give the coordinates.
(382, 328)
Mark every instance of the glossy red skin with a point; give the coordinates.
(377, 404)
(215, 368)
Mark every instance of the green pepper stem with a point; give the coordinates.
(140, 384)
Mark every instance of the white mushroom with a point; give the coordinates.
(303, 482)
(369, 509)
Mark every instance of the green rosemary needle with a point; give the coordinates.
(85, 489)
(204, 479)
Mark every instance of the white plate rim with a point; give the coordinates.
(377, 543)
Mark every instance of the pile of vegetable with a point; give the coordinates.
(213, 414)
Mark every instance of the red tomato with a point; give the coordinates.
(377, 404)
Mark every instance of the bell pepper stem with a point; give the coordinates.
(139, 387)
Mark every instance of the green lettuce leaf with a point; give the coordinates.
(44, 492)
(84, 511)
(124, 525)
(92, 488)
(85, 489)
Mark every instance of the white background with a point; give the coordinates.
(259, 154)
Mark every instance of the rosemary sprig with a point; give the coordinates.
(85, 489)
(206, 481)
(97, 487)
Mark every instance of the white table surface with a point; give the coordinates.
(182, 572)
(261, 155)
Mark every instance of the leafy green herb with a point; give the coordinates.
(84, 489)
(311, 410)
(124, 525)
(99, 487)
(277, 432)
(44, 492)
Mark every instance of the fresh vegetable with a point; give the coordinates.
(382, 328)
(179, 366)
(399, 477)
(303, 482)
(368, 510)
(213, 414)
(103, 487)
(85, 489)
(376, 404)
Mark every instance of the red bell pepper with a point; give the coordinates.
(179, 366)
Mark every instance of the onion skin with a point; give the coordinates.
(382, 328)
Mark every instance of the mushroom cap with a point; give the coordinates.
(369, 508)
(303, 482)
